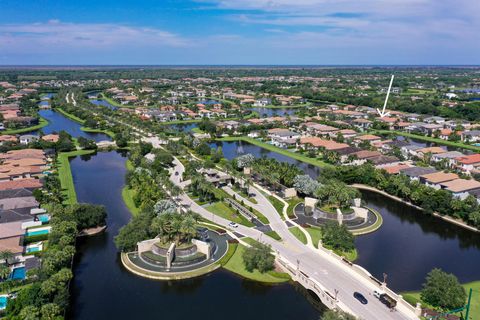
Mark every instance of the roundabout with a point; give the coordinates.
(358, 225)
(156, 260)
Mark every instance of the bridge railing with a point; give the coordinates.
(362, 272)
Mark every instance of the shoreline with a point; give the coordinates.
(435, 214)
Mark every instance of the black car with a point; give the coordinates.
(360, 297)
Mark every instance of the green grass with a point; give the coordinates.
(274, 235)
(414, 297)
(113, 102)
(292, 203)
(293, 155)
(41, 123)
(127, 196)
(429, 139)
(278, 205)
(222, 210)
(65, 174)
(197, 130)
(316, 235)
(298, 234)
(70, 116)
(235, 264)
(373, 227)
(107, 132)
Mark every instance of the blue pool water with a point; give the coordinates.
(3, 302)
(44, 217)
(33, 249)
(18, 274)
(37, 232)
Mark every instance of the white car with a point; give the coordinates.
(233, 225)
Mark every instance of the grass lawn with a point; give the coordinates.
(278, 205)
(292, 203)
(316, 235)
(65, 174)
(197, 130)
(274, 235)
(113, 102)
(222, 210)
(41, 123)
(235, 265)
(284, 152)
(429, 139)
(127, 196)
(414, 297)
(107, 132)
(70, 116)
(298, 234)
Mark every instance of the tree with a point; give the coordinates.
(50, 311)
(337, 315)
(245, 160)
(4, 272)
(164, 206)
(6, 255)
(336, 193)
(86, 143)
(305, 184)
(259, 256)
(337, 237)
(443, 290)
(203, 149)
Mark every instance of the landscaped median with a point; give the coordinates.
(65, 174)
(293, 155)
(236, 265)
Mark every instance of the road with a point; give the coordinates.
(331, 273)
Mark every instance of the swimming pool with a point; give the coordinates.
(38, 232)
(3, 302)
(44, 217)
(18, 274)
(32, 249)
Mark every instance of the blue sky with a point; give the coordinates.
(240, 32)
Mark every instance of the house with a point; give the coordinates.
(367, 138)
(434, 119)
(229, 125)
(216, 177)
(470, 136)
(394, 168)
(362, 124)
(320, 129)
(262, 102)
(28, 138)
(317, 142)
(7, 138)
(435, 179)
(363, 156)
(460, 188)
(448, 157)
(429, 150)
(414, 173)
(468, 163)
(51, 137)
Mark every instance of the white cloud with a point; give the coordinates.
(55, 35)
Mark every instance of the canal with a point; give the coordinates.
(408, 245)
(57, 122)
(103, 289)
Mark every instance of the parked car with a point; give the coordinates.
(360, 297)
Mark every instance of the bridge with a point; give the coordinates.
(332, 278)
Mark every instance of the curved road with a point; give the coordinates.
(328, 271)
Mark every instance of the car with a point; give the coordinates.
(233, 224)
(176, 173)
(360, 297)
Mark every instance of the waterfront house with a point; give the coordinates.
(414, 173)
(468, 163)
(28, 138)
(435, 179)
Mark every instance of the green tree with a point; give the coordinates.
(443, 290)
(337, 237)
(259, 256)
(336, 315)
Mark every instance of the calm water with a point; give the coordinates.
(103, 289)
(273, 112)
(105, 103)
(182, 127)
(408, 245)
(234, 149)
(57, 123)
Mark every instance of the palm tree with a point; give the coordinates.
(188, 228)
(6, 255)
(4, 272)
